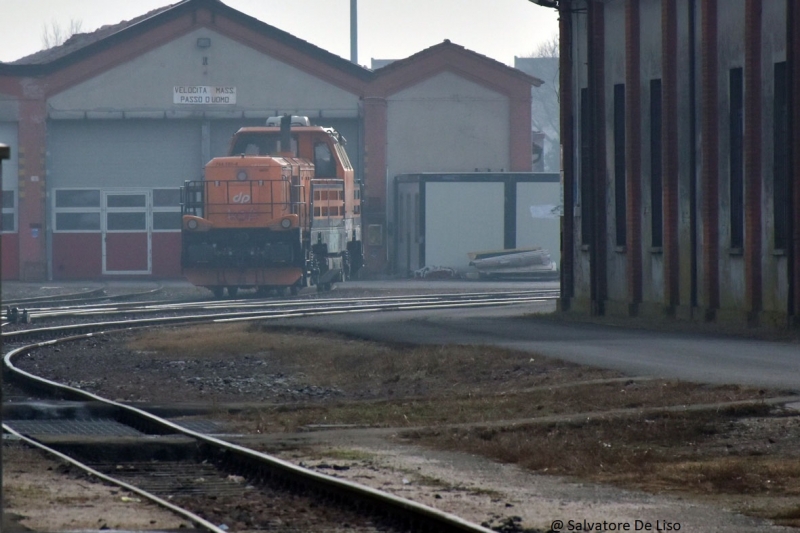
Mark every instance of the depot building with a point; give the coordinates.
(105, 128)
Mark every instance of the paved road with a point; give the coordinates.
(686, 356)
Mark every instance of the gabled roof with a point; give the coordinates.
(448, 47)
(391, 78)
(82, 46)
(81, 40)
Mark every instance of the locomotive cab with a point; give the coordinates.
(281, 210)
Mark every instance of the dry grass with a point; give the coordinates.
(709, 452)
(487, 407)
(669, 452)
(365, 368)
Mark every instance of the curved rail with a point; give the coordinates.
(156, 307)
(96, 295)
(56, 297)
(417, 516)
(280, 310)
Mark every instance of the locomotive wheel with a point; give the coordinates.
(218, 291)
(294, 289)
(233, 290)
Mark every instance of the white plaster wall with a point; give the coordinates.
(447, 124)
(145, 84)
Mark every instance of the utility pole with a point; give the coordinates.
(354, 31)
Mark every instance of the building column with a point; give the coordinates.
(597, 174)
(32, 190)
(373, 218)
(793, 63)
(567, 154)
(669, 150)
(709, 175)
(633, 153)
(752, 159)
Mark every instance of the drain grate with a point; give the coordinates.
(92, 427)
(102, 427)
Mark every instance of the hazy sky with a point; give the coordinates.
(388, 29)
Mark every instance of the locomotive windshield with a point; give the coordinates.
(323, 161)
(261, 144)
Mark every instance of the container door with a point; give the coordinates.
(127, 247)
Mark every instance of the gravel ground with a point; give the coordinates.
(502, 497)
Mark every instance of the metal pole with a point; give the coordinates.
(5, 153)
(354, 31)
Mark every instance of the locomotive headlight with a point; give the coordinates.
(191, 224)
(242, 175)
(286, 223)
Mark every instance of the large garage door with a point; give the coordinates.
(123, 153)
(127, 165)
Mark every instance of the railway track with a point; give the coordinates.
(80, 297)
(75, 320)
(206, 466)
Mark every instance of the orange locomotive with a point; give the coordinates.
(282, 210)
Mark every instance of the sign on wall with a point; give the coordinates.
(203, 94)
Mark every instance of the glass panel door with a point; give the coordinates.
(127, 246)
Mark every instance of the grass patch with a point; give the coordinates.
(738, 475)
(365, 369)
(444, 409)
(672, 451)
(787, 517)
(713, 452)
